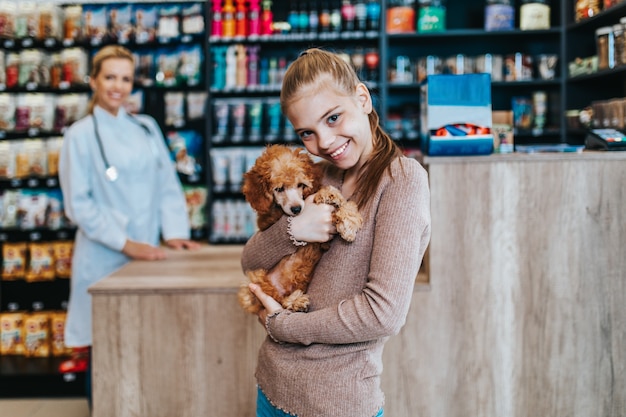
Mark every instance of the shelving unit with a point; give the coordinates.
(581, 91)
(38, 376)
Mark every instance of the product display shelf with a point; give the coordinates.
(22, 376)
(465, 37)
(37, 377)
(235, 132)
(601, 85)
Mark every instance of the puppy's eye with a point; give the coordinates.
(302, 185)
(279, 189)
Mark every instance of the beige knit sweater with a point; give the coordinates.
(329, 360)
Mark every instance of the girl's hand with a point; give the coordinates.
(314, 223)
(182, 244)
(271, 306)
(143, 251)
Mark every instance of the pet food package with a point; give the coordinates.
(12, 333)
(40, 262)
(13, 261)
(62, 252)
(37, 335)
(456, 119)
(57, 334)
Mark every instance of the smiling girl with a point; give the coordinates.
(327, 362)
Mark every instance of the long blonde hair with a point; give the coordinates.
(108, 52)
(316, 64)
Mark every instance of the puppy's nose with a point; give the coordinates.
(296, 210)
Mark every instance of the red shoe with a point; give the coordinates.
(78, 361)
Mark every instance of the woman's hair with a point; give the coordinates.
(108, 52)
(317, 65)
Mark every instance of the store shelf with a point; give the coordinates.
(38, 377)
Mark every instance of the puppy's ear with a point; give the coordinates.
(256, 190)
(316, 173)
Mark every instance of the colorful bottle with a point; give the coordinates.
(360, 15)
(267, 18)
(324, 18)
(335, 17)
(228, 19)
(372, 60)
(219, 67)
(231, 67)
(293, 17)
(241, 19)
(314, 17)
(253, 65)
(216, 18)
(348, 16)
(304, 18)
(373, 15)
(254, 18)
(241, 78)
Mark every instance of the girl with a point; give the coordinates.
(327, 362)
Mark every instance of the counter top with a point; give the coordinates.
(211, 268)
(527, 157)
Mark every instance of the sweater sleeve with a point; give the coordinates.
(401, 235)
(265, 249)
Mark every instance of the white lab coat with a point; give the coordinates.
(146, 202)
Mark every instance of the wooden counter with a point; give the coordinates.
(524, 314)
(170, 339)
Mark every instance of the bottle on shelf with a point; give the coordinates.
(348, 16)
(254, 18)
(267, 18)
(373, 15)
(324, 17)
(360, 16)
(241, 19)
(431, 16)
(303, 18)
(335, 17)
(228, 19)
(499, 15)
(216, 18)
(314, 17)
(293, 16)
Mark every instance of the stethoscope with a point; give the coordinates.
(110, 171)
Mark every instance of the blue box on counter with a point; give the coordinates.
(456, 115)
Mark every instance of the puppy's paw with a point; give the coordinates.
(296, 301)
(348, 221)
(329, 195)
(247, 300)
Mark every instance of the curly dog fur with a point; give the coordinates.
(278, 183)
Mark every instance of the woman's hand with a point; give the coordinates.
(182, 244)
(271, 306)
(314, 223)
(143, 251)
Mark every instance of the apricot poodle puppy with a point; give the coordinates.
(278, 183)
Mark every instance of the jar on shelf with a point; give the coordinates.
(499, 15)
(534, 15)
(619, 40)
(605, 47)
(401, 17)
(431, 16)
(584, 9)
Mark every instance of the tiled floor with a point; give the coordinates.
(44, 407)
